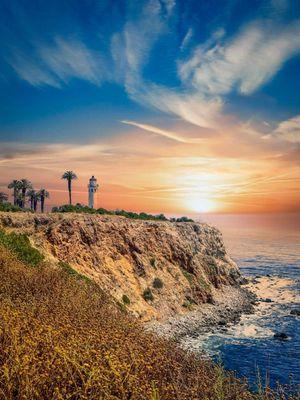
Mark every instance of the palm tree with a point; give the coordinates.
(36, 198)
(69, 176)
(31, 194)
(16, 186)
(25, 185)
(43, 194)
(3, 197)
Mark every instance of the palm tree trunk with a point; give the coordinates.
(35, 204)
(42, 203)
(23, 197)
(70, 191)
(15, 196)
(31, 202)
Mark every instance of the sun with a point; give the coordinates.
(201, 204)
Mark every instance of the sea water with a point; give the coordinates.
(253, 351)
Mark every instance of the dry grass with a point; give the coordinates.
(61, 338)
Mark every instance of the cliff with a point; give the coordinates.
(157, 269)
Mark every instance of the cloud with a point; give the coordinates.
(186, 40)
(245, 62)
(162, 132)
(72, 59)
(215, 69)
(190, 106)
(22, 155)
(58, 63)
(29, 71)
(131, 47)
(289, 130)
(220, 65)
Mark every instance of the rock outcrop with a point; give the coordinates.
(158, 269)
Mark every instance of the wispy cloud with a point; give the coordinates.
(30, 71)
(289, 130)
(131, 47)
(57, 63)
(163, 132)
(244, 62)
(69, 59)
(186, 40)
(215, 68)
(172, 178)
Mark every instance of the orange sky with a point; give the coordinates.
(182, 170)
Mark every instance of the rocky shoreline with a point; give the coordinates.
(230, 303)
(235, 309)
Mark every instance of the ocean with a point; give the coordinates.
(249, 348)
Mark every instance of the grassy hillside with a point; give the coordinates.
(62, 338)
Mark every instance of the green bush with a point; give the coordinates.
(187, 304)
(204, 284)
(125, 299)
(79, 208)
(20, 245)
(182, 219)
(147, 295)
(71, 271)
(188, 275)
(153, 262)
(157, 283)
(8, 207)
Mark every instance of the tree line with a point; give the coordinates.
(24, 193)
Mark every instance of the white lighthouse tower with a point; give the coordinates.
(93, 187)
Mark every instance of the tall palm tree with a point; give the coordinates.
(31, 194)
(25, 185)
(69, 176)
(3, 197)
(36, 198)
(16, 186)
(43, 194)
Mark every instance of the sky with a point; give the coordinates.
(176, 106)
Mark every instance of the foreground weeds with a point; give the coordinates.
(62, 338)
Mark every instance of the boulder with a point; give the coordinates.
(295, 311)
(281, 336)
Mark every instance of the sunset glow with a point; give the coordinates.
(211, 131)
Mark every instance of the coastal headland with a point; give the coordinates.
(158, 270)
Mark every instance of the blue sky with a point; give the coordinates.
(62, 58)
(82, 72)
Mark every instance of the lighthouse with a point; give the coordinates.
(92, 187)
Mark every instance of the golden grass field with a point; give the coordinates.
(62, 338)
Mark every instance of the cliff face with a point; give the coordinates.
(162, 268)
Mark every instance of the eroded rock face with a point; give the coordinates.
(125, 257)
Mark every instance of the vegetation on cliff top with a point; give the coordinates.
(8, 207)
(62, 337)
(79, 208)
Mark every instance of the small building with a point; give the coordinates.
(93, 188)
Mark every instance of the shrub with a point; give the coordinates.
(187, 304)
(20, 245)
(121, 307)
(157, 283)
(153, 262)
(125, 299)
(147, 295)
(8, 207)
(182, 219)
(79, 208)
(188, 276)
(204, 284)
(71, 271)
